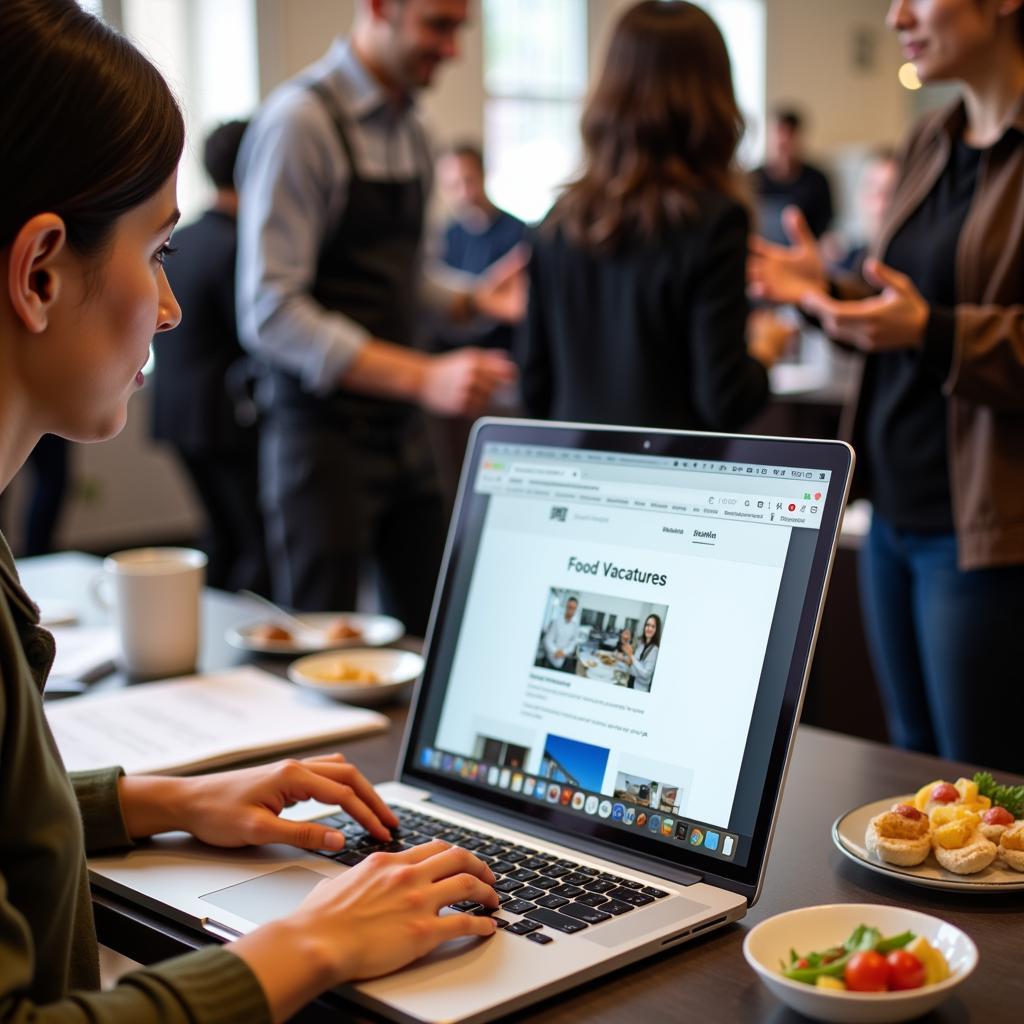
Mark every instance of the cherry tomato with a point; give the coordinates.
(908, 812)
(866, 972)
(997, 816)
(945, 793)
(905, 970)
(802, 962)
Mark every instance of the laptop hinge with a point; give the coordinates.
(594, 847)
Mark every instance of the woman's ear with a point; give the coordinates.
(33, 277)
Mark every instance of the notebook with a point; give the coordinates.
(201, 721)
(618, 651)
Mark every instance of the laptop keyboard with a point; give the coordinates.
(538, 892)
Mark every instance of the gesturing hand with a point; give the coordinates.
(893, 319)
(784, 275)
(242, 808)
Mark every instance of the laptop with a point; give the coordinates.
(618, 650)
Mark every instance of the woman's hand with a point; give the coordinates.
(769, 336)
(384, 913)
(893, 319)
(784, 275)
(368, 921)
(242, 808)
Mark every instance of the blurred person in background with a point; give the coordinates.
(47, 490)
(476, 240)
(476, 236)
(334, 177)
(202, 404)
(787, 179)
(637, 311)
(877, 181)
(939, 425)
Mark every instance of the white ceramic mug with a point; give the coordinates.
(156, 605)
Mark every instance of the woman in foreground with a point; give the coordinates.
(90, 139)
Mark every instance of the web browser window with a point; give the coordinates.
(612, 644)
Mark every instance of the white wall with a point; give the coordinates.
(812, 60)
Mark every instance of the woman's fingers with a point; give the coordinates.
(458, 926)
(455, 861)
(305, 783)
(349, 775)
(438, 860)
(463, 887)
(794, 223)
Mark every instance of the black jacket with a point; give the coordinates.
(651, 335)
(199, 381)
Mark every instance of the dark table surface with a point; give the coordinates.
(707, 979)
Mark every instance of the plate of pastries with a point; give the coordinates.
(966, 835)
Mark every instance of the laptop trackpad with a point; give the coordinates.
(267, 897)
(635, 926)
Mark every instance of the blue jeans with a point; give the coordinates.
(947, 647)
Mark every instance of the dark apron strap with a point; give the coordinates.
(338, 118)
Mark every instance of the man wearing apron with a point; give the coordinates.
(334, 177)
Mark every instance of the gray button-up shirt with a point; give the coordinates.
(293, 178)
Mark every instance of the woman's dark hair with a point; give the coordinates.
(660, 125)
(656, 639)
(88, 127)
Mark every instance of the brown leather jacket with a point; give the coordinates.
(985, 386)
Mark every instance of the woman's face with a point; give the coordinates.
(650, 628)
(626, 636)
(946, 39)
(82, 369)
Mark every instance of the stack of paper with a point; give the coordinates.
(198, 722)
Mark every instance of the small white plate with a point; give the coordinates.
(395, 670)
(375, 631)
(812, 928)
(848, 834)
(53, 612)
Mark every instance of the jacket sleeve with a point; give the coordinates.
(988, 357)
(532, 348)
(100, 806)
(729, 385)
(210, 986)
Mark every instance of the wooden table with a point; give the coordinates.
(706, 980)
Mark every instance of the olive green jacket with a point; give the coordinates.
(49, 970)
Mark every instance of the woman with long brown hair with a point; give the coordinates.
(637, 310)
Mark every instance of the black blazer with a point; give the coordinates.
(652, 335)
(195, 395)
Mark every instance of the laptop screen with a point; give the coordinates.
(620, 629)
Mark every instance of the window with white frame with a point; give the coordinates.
(535, 75)
(208, 53)
(743, 27)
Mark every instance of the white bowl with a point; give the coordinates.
(396, 672)
(811, 928)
